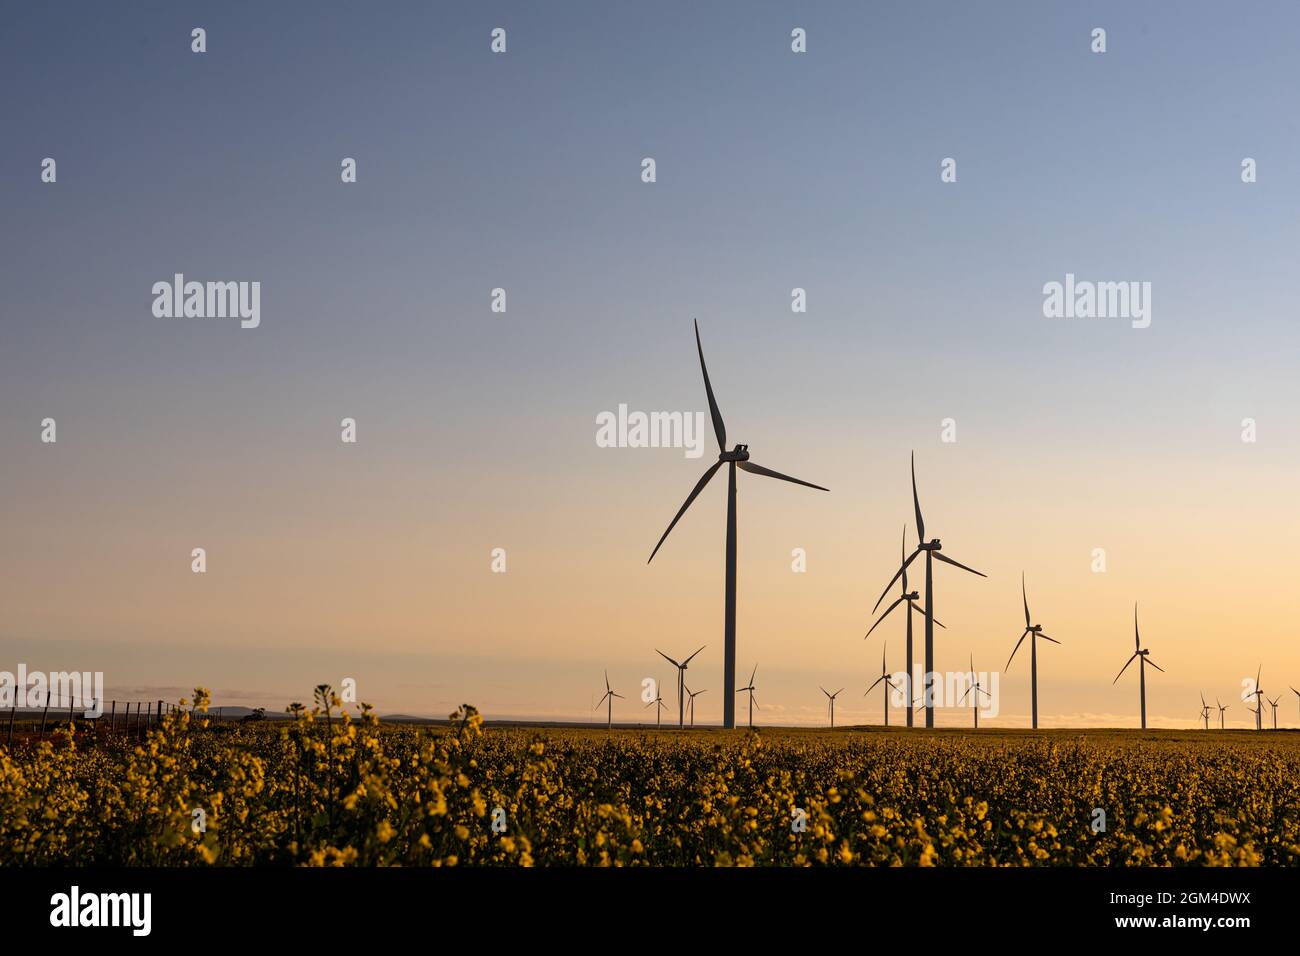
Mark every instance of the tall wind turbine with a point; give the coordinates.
(609, 696)
(1141, 656)
(1033, 632)
(659, 700)
(831, 698)
(1272, 701)
(1221, 710)
(977, 689)
(889, 685)
(681, 682)
(932, 551)
(692, 695)
(750, 688)
(911, 597)
(1258, 694)
(738, 457)
(1205, 712)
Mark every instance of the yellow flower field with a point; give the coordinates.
(308, 791)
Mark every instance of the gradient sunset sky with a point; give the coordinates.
(477, 430)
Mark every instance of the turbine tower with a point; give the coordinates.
(738, 457)
(889, 685)
(1033, 632)
(1221, 710)
(1141, 656)
(911, 597)
(831, 698)
(681, 682)
(750, 688)
(1205, 712)
(609, 696)
(1272, 702)
(932, 551)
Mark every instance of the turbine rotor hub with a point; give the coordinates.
(739, 453)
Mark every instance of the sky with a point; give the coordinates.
(476, 430)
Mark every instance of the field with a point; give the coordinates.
(325, 790)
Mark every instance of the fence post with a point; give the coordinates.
(44, 712)
(159, 719)
(112, 718)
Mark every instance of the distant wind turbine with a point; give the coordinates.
(738, 457)
(1273, 703)
(977, 689)
(1033, 632)
(1205, 712)
(889, 685)
(659, 700)
(831, 697)
(692, 695)
(932, 551)
(911, 597)
(609, 696)
(1258, 694)
(1140, 656)
(750, 688)
(681, 682)
(1222, 708)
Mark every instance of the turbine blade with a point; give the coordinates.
(667, 658)
(916, 504)
(823, 690)
(692, 657)
(719, 429)
(897, 575)
(902, 557)
(1024, 597)
(754, 469)
(873, 685)
(1155, 665)
(963, 696)
(921, 611)
(699, 486)
(883, 616)
(751, 675)
(1137, 641)
(1123, 669)
(1023, 635)
(1046, 638)
(939, 555)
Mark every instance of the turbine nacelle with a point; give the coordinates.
(931, 545)
(739, 453)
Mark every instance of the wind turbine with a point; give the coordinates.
(1258, 694)
(1033, 632)
(1221, 710)
(932, 551)
(738, 457)
(1141, 656)
(831, 697)
(889, 684)
(1205, 712)
(750, 688)
(1273, 703)
(681, 682)
(693, 695)
(609, 696)
(659, 699)
(975, 686)
(910, 597)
